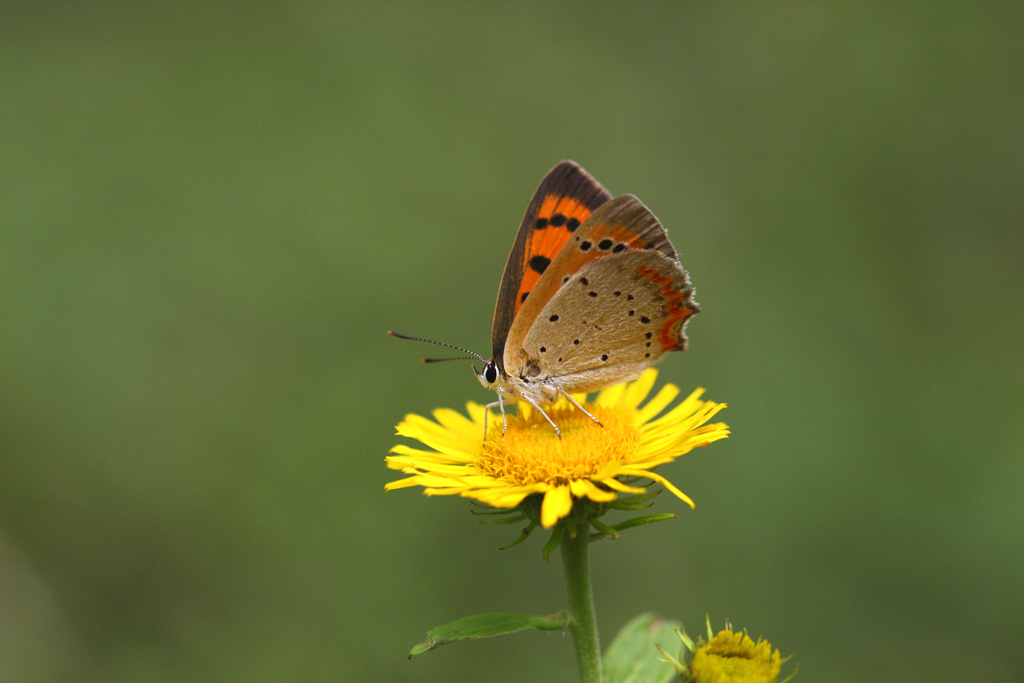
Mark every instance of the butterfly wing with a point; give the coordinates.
(562, 203)
(611, 303)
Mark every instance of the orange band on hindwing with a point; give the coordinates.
(679, 306)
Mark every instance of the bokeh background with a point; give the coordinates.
(210, 214)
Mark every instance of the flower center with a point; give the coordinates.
(531, 453)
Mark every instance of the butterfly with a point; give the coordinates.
(592, 294)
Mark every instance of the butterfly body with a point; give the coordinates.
(592, 294)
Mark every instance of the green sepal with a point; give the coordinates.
(628, 502)
(570, 527)
(494, 511)
(640, 521)
(506, 520)
(523, 535)
(633, 654)
(487, 626)
(553, 542)
(604, 529)
(630, 508)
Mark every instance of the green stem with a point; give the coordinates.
(581, 603)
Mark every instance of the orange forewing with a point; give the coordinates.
(563, 201)
(560, 216)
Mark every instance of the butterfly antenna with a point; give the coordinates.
(471, 355)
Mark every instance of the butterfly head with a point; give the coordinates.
(488, 375)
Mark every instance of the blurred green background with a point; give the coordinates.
(210, 214)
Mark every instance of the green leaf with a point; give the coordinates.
(633, 656)
(487, 626)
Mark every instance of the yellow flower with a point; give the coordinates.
(588, 462)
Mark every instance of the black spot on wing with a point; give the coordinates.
(539, 263)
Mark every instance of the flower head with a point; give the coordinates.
(729, 657)
(588, 462)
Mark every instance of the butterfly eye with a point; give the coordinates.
(490, 373)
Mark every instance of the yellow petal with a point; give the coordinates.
(638, 390)
(666, 483)
(666, 395)
(458, 423)
(584, 488)
(557, 504)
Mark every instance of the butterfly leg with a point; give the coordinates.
(546, 416)
(487, 411)
(563, 392)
